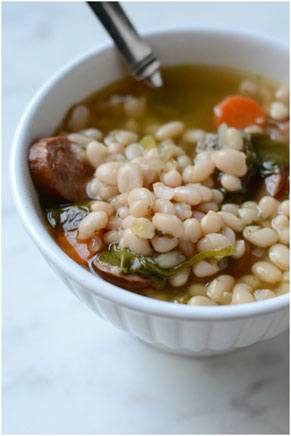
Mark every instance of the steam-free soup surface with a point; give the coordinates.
(189, 94)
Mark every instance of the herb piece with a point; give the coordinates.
(67, 216)
(128, 262)
(270, 150)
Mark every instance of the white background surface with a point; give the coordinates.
(65, 370)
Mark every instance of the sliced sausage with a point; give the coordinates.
(59, 168)
(132, 282)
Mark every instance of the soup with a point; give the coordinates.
(178, 193)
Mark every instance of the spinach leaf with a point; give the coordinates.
(147, 266)
(67, 216)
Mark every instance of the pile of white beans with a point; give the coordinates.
(149, 196)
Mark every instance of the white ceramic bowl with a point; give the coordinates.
(178, 328)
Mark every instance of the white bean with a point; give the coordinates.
(218, 286)
(168, 224)
(248, 214)
(213, 241)
(188, 194)
(92, 133)
(96, 153)
(133, 150)
(129, 176)
(281, 224)
(282, 94)
(187, 247)
(134, 106)
(119, 200)
(140, 208)
(192, 230)
(267, 272)
(168, 260)
(183, 161)
(249, 87)
(279, 111)
(217, 196)
(93, 222)
(252, 281)
(96, 206)
(239, 249)
(143, 228)
(198, 215)
(268, 207)
(279, 256)
(260, 236)
(230, 235)
(123, 212)
(141, 194)
(193, 136)
(164, 206)
(134, 243)
(231, 208)
(231, 183)
(205, 269)
(172, 178)
(128, 222)
(233, 139)
(125, 137)
(162, 244)
(170, 130)
(162, 191)
(183, 210)
(107, 172)
(96, 189)
(199, 172)
(283, 288)
(284, 208)
(114, 223)
(241, 294)
(232, 221)
(231, 162)
(263, 294)
(196, 289)
(78, 118)
(180, 279)
(112, 236)
(200, 301)
(211, 222)
(205, 192)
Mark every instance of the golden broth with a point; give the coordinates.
(189, 94)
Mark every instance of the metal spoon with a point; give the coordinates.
(138, 55)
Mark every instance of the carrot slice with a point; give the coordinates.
(238, 111)
(78, 251)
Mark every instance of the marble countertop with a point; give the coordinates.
(65, 370)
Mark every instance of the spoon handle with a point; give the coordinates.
(138, 55)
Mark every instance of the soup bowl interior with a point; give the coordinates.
(180, 328)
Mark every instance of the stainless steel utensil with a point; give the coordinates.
(138, 55)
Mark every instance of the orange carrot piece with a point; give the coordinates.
(78, 251)
(238, 111)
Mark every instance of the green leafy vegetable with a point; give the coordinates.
(128, 262)
(67, 216)
(269, 150)
(265, 157)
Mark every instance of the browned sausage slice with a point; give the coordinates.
(59, 168)
(132, 282)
